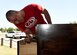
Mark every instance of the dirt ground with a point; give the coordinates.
(4, 50)
(24, 49)
(2, 35)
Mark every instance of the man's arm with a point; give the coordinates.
(27, 32)
(47, 16)
(29, 35)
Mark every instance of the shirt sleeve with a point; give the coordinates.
(36, 7)
(39, 8)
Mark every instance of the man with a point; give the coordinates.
(27, 18)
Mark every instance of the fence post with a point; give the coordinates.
(10, 43)
(1, 41)
(18, 46)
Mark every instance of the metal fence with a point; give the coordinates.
(8, 42)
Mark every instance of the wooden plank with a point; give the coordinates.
(28, 49)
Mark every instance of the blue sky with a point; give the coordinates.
(61, 11)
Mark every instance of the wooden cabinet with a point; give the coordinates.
(56, 39)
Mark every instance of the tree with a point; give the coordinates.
(16, 29)
(74, 22)
(1, 29)
(10, 29)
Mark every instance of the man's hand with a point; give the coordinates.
(28, 32)
(29, 35)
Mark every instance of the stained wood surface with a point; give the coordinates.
(28, 49)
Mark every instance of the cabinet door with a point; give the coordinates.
(56, 39)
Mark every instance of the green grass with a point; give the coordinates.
(4, 50)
